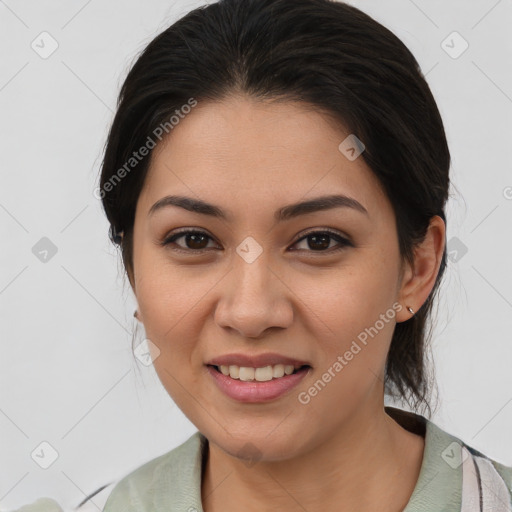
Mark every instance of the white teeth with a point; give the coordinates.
(234, 371)
(288, 369)
(263, 374)
(278, 370)
(246, 373)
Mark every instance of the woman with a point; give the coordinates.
(276, 178)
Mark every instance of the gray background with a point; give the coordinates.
(67, 373)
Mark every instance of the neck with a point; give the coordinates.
(372, 463)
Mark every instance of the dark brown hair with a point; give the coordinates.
(324, 53)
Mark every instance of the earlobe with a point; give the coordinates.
(421, 278)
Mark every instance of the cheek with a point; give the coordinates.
(175, 303)
(344, 301)
(352, 366)
(170, 296)
(351, 317)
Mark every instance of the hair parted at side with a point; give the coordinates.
(325, 53)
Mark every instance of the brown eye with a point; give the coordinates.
(320, 241)
(316, 241)
(193, 240)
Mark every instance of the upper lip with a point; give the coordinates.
(257, 361)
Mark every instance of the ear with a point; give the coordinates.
(418, 280)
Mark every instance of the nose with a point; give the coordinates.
(254, 299)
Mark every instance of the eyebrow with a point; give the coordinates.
(288, 212)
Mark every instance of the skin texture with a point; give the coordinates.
(340, 451)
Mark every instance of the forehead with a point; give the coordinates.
(255, 151)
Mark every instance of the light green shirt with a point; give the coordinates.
(172, 482)
(453, 477)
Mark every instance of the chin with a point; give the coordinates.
(257, 446)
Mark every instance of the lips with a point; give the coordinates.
(256, 361)
(256, 391)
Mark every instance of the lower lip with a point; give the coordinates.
(254, 391)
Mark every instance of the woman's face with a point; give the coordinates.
(256, 284)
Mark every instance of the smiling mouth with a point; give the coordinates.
(264, 374)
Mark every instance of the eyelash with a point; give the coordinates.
(344, 242)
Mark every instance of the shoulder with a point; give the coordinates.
(488, 467)
(505, 472)
(453, 472)
(171, 481)
(163, 479)
(483, 478)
